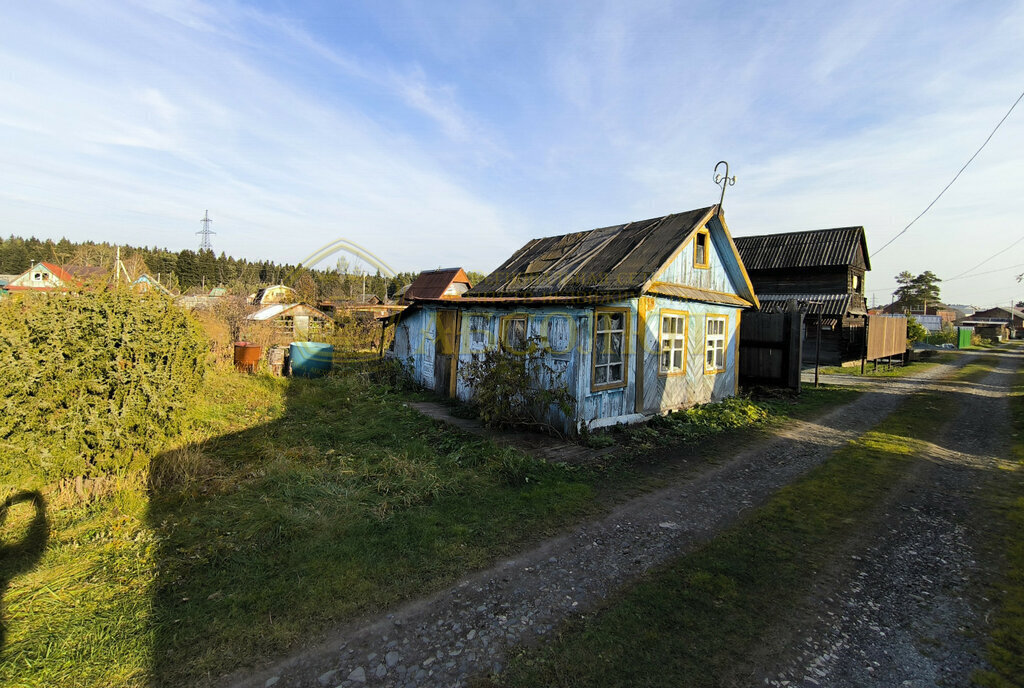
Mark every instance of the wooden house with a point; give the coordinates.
(823, 271)
(633, 320)
(43, 277)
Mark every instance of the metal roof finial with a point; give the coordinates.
(723, 181)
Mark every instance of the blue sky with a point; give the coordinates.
(450, 133)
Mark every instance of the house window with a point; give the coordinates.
(513, 333)
(37, 277)
(479, 332)
(714, 344)
(856, 283)
(609, 348)
(673, 342)
(700, 249)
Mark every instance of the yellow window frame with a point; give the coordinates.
(700, 234)
(618, 384)
(724, 317)
(685, 316)
(503, 331)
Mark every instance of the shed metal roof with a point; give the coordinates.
(808, 249)
(621, 258)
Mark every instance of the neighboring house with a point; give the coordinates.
(275, 293)
(6, 279)
(42, 277)
(443, 283)
(146, 282)
(823, 271)
(634, 320)
(293, 320)
(1013, 319)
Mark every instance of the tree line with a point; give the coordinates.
(197, 271)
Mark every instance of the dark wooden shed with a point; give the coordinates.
(823, 271)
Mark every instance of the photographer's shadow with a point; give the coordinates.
(20, 555)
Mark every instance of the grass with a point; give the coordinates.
(1004, 501)
(912, 368)
(694, 620)
(290, 506)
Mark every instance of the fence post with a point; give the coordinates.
(793, 331)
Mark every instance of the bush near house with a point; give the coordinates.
(92, 383)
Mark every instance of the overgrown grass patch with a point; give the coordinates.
(297, 504)
(692, 621)
(761, 408)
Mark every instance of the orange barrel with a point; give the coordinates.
(247, 356)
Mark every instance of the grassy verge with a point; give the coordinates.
(912, 368)
(292, 506)
(694, 619)
(1005, 505)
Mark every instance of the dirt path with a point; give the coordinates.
(899, 611)
(466, 629)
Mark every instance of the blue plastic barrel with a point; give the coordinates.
(311, 359)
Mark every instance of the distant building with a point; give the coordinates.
(275, 293)
(443, 283)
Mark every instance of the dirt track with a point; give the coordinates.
(903, 608)
(466, 630)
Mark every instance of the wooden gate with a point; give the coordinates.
(771, 348)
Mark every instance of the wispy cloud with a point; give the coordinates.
(450, 133)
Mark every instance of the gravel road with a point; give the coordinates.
(900, 610)
(466, 629)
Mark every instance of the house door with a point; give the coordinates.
(445, 348)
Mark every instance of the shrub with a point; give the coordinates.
(94, 383)
(517, 388)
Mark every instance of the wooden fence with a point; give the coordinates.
(887, 336)
(771, 348)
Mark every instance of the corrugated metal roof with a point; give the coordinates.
(431, 284)
(814, 248)
(813, 304)
(622, 258)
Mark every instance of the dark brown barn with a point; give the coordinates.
(823, 271)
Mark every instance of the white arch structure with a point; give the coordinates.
(350, 247)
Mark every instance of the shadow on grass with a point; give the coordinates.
(21, 556)
(344, 504)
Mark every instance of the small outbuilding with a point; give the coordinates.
(633, 320)
(293, 320)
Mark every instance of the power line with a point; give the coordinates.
(998, 253)
(904, 230)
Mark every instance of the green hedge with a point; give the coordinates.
(92, 384)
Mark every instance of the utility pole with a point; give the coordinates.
(205, 233)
